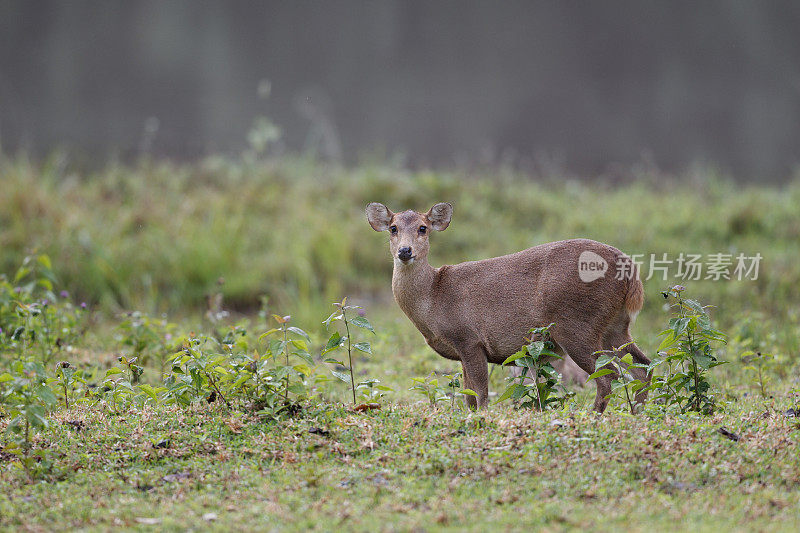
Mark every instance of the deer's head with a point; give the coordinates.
(408, 231)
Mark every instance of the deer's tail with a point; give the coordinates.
(634, 296)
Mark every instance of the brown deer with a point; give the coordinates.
(480, 312)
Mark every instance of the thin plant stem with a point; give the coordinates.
(349, 354)
(286, 352)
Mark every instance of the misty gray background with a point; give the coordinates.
(581, 86)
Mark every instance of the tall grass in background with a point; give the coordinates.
(160, 236)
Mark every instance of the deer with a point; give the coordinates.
(479, 312)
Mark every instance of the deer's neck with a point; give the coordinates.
(412, 286)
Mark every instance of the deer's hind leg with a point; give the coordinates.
(581, 345)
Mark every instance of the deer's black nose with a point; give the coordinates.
(404, 254)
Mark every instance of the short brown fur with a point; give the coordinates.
(480, 312)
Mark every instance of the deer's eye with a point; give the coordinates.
(423, 229)
(393, 230)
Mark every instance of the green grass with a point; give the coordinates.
(407, 467)
(157, 237)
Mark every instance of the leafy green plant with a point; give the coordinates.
(271, 382)
(371, 390)
(292, 365)
(687, 354)
(756, 340)
(337, 340)
(201, 370)
(34, 320)
(454, 386)
(759, 365)
(66, 379)
(148, 338)
(288, 347)
(430, 388)
(25, 395)
(539, 385)
(609, 362)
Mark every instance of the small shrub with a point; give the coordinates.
(759, 366)
(687, 354)
(337, 340)
(25, 396)
(539, 385)
(148, 339)
(34, 320)
(371, 390)
(66, 380)
(430, 388)
(608, 362)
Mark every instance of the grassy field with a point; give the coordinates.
(407, 467)
(290, 237)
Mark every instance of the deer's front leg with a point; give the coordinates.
(476, 377)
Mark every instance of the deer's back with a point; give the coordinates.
(497, 301)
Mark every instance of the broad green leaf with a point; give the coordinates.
(45, 394)
(468, 392)
(300, 332)
(669, 340)
(300, 344)
(303, 369)
(547, 352)
(362, 322)
(149, 391)
(680, 326)
(637, 385)
(702, 360)
(305, 356)
(511, 358)
(600, 373)
(344, 376)
(268, 333)
(363, 347)
(603, 360)
(509, 392)
(694, 306)
(21, 273)
(44, 260)
(535, 349)
(334, 342)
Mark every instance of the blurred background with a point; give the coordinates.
(580, 88)
(199, 158)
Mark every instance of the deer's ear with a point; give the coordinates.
(439, 216)
(379, 216)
